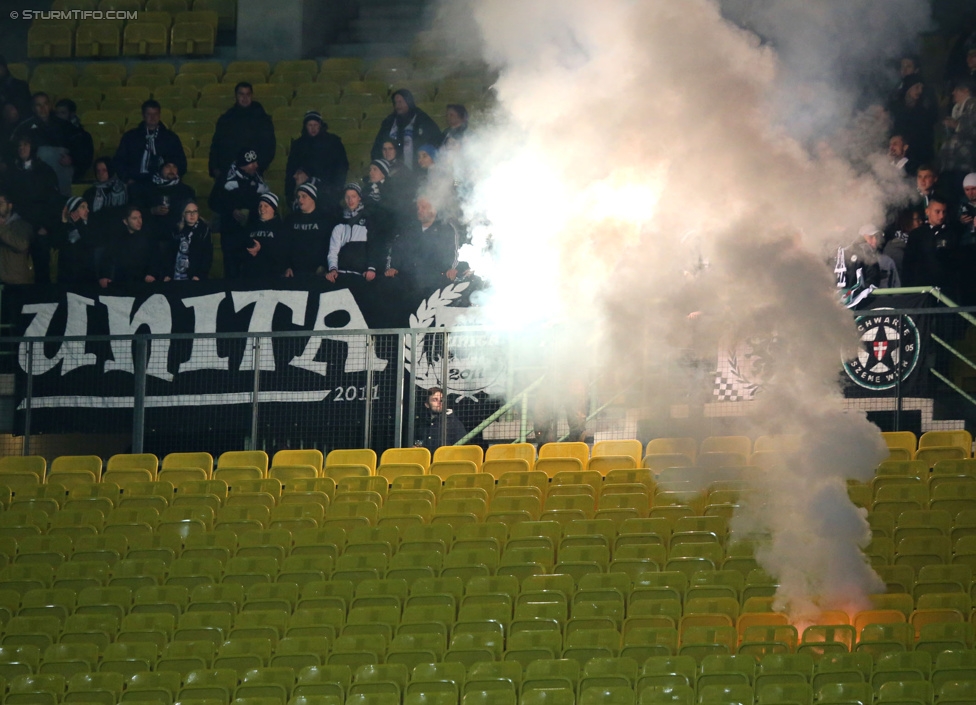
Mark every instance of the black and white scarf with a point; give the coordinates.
(109, 194)
(149, 155)
(160, 181)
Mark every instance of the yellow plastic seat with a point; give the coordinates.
(354, 456)
(50, 40)
(630, 448)
(83, 463)
(35, 464)
(939, 439)
(311, 456)
(904, 440)
(145, 39)
(658, 462)
(244, 458)
(125, 478)
(44, 689)
(394, 471)
(934, 454)
(226, 11)
(420, 456)
(572, 449)
(129, 461)
(445, 469)
(470, 453)
(191, 38)
(97, 39)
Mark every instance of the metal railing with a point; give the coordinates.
(368, 388)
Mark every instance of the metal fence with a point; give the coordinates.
(373, 388)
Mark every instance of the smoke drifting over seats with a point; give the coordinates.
(635, 173)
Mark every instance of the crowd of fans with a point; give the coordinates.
(139, 222)
(931, 240)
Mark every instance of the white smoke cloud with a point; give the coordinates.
(634, 141)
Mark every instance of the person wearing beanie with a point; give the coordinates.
(244, 125)
(384, 196)
(235, 199)
(407, 126)
(967, 240)
(15, 244)
(75, 244)
(267, 249)
(307, 231)
(318, 157)
(189, 246)
(863, 264)
(967, 208)
(353, 249)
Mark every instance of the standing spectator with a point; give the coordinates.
(15, 245)
(958, 155)
(375, 187)
(408, 127)
(145, 148)
(353, 248)
(968, 71)
(967, 241)
(437, 425)
(915, 114)
(865, 265)
(926, 187)
(76, 244)
(77, 139)
(389, 149)
(189, 247)
(34, 187)
(162, 198)
(131, 254)
(49, 133)
(456, 117)
(235, 199)
(307, 231)
(9, 121)
(317, 157)
(267, 251)
(13, 91)
(897, 237)
(108, 191)
(384, 198)
(967, 208)
(424, 255)
(244, 125)
(898, 151)
(931, 250)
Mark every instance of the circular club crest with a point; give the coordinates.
(889, 351)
